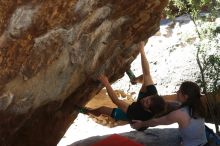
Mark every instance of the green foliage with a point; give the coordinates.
(208, 55)
(207, 44)
(208, 34)
(179, 7)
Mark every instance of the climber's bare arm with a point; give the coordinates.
(121, 104)
(147, 79)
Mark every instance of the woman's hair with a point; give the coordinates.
(192, 90)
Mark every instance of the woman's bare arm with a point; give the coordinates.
(171, 118)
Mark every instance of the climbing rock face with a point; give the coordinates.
(51, 53)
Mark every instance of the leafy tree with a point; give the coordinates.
(208, 48)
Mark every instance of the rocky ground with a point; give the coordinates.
(151, 137)
(171, 61)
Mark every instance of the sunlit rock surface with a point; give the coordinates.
(50, 54)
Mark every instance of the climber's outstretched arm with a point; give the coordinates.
(120, 103)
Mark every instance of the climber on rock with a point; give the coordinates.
(148, 103)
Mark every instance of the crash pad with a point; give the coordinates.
(116, 140)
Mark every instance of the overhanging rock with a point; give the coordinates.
(50, 53)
